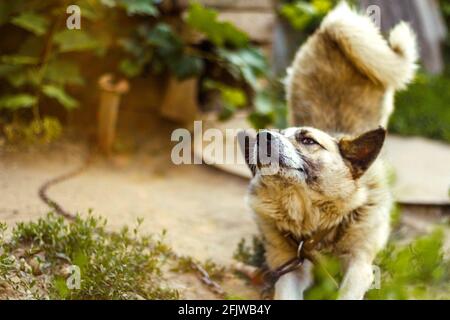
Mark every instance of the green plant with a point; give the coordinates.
(43, 131)
(423, 109)
(253, 254)
(232, 98)
(306, 15)
(414, 271)
(36, 62)
(135, 7)
(224, 59)
(122, 265)
(417, 270)
(219, 33)
(187, 264)
(161, 49)
(270, 108)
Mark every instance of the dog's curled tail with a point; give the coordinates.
(392, 64)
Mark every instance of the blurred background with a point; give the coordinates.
(118, 76)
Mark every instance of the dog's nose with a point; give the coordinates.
(266, 140)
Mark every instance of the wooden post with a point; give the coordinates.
(108, 110)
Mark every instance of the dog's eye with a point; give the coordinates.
(307, 141)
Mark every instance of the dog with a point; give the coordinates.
(329, 190)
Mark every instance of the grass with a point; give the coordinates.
(253, 254)
(37, 261)
(185, 264)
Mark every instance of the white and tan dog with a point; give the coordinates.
(329, 180)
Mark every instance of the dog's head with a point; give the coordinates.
(326, 165)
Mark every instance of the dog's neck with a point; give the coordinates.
(293, 209)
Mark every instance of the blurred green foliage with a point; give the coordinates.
(37, 63)
(219, 33)
(413, 270)
(424, 109)
(42, 63)
(38, 131)
(232, 98)
(306, 15)
(417, 270)
(158, 48)
(222, 52)
(251, 254)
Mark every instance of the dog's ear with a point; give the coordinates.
(361, 151)
(246, 144)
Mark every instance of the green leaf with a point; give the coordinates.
(131, 46)
(140, 7)
(248, 62)
(186, 66)
(268, 105)
(219, 33)
(259, 121)
(304, 14)
(232, 98)
(16, 59)
(91, 10)
(59, 284)
(230, 95)
(322, 6)
(75, 40)
(130, 68)
(263, 103)
(80, 259)
(6, 69)
(17, 101)
(108, 3)
(60, 95)
(63, 72)
(32, 22)
(23, 77)
(32, 46)
(164, 39)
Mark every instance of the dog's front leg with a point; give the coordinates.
(292, 285)
(357, 280)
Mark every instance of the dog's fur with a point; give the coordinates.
(340, 90)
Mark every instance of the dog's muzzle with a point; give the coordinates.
(274, 150)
